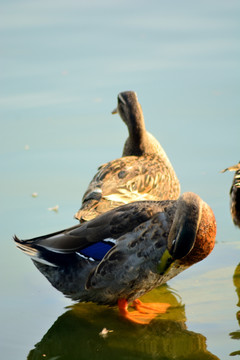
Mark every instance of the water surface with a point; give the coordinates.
(62, 66)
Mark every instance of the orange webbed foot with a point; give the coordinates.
(144, 314)
(151, 308)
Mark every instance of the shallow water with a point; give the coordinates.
(63, 64)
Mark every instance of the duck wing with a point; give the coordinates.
(93, 239)
(126, 180)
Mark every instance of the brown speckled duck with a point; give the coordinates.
(139, 141)
(126, 252)
(144, 171)
(235, 194)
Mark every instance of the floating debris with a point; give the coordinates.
(54, 208)
(104, 332)
(34, 194)
(26, 147)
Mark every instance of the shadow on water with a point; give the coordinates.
(236, 281)
(76, 334)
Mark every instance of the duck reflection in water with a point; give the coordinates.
(75, 335)
(236, 281)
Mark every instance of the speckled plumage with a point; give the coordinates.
(129, 179)
(143, 235)
(235, 194)
(144, 171)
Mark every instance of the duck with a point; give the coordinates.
(139, 141)
(144, 171)
(235, 194)
(126, 252)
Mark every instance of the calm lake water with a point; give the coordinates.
(62, 65)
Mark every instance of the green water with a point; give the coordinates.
(62, 66)
(167, 337)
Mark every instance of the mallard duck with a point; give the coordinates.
(144, 172)
(235, 194)
(126, 252)
(139, 141)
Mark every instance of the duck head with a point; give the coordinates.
(130, 110)
(193, 231)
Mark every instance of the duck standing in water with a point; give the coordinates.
(235, 194)
(144, 171)
(126, 252)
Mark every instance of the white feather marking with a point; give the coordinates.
(42, 261)
(117, 198)
(34, 254)
(84, 257)
(111, 241)
(122, 99)
(125, 195)
(27, 249)
(97, 190)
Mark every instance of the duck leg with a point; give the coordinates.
(144, 313)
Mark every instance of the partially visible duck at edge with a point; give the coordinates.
(144, 171)
(126, 252)
(235, 194)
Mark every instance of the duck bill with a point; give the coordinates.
(183, 243)
(165, 262)
(115, 111)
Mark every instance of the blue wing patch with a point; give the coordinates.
(97, 250)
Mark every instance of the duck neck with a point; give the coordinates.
(138, 135)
